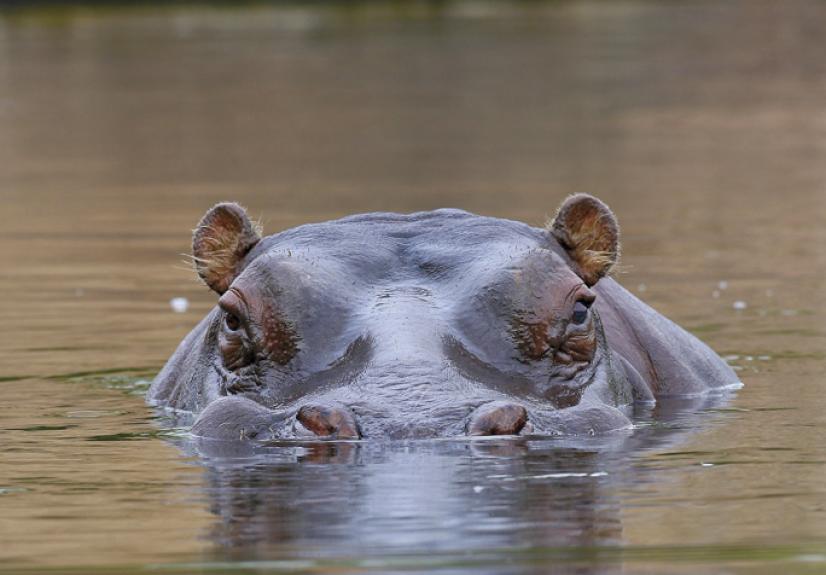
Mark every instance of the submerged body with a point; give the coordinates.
(433, 324)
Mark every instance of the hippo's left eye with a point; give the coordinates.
(580, 312)
(232, 322)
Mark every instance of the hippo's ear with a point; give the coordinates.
(588, 230)
(223, 237)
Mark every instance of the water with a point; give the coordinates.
(702, 124)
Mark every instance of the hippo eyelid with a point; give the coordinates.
(581, 293)
(233, 302)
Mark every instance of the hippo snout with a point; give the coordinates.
(326, 421)
(334, 421)
(497, 418)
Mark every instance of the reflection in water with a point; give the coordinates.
(701, 123)
(346, 501)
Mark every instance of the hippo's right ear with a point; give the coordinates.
(588, 231)
(223, 237)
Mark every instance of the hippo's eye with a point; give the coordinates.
(233, 343)
(580, 312)
(232, 322)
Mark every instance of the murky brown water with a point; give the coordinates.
(702, 124)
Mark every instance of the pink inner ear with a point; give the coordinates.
(220, 242)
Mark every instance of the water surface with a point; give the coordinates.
(702, 124)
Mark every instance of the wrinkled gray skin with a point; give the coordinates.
(434, 324)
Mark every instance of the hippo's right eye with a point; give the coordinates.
(580, 312)
(233, 343)
(232, 322)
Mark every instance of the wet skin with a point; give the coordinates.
(435, 324)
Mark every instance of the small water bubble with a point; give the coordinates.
(642, 288)
(722, 285)
(811, 558)
(715, 294)
(764, 357)
(749, 358)
(706, 464)
(478, 489)
(739, 305)
(179, 304)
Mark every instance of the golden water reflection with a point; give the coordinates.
(702, 124)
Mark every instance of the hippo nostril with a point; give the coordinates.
(330, 421)
(497, 418)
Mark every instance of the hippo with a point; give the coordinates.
(434, 324)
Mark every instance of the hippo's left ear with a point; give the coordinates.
(223, 237)
(588, 231)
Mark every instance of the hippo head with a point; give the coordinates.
(435, 324)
